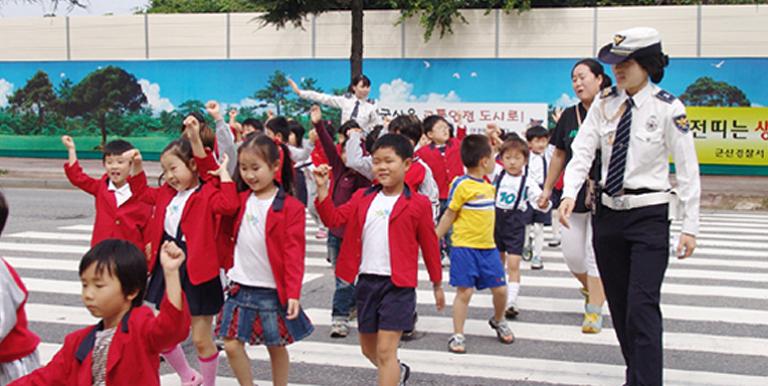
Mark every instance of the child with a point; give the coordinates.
(113, 276)
(267, 265)
(516, 194)
(538, 140)
(185, 212)
(443, 156)
(345, 182)
(119, 212)
(475, 262)
(18, 345)
(385, 225)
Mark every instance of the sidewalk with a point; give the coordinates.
(718, 192)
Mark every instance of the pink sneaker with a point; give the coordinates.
(197, 380)
(321, 234)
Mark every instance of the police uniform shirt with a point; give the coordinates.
(659, 128)
(366, 115)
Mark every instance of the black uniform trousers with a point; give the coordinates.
(632, 252)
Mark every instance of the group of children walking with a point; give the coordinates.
(226, 204)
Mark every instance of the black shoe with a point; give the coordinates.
(511, 313)
(405, 373)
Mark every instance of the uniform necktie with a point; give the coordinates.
(614, 183)
(355, 110)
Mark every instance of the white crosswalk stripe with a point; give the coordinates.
(730, 268)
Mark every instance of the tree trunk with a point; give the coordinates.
(356, 57)
(103, 127)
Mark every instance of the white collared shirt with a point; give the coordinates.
(122, 194)
(654, 135)
(366, 117)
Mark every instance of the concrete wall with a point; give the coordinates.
(687, 31)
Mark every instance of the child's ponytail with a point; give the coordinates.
(286, 169)
(272, 152)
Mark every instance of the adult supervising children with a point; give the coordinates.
(354, 104)
(637, 125)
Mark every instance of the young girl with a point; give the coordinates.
(267, 264)
(185, 212)
(18, 345)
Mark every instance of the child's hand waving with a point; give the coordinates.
(316, 114)
(321, 174)
(293, 309)
(222, 172)
(192, 128)
(171, 256)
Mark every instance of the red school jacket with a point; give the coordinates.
(198, 221)
(286, 242)
(19, 341)
(410, 226)
(134, 354)
(445, 167)
(126, 222)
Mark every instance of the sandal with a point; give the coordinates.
(457, 344)
(503, 332)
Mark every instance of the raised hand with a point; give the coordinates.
(213, 109)
(295, 87)
(322, 174)
(171, 256)
(222, 171)
(68, 142)
(315, 114)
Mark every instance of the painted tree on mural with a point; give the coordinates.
(104, 92)
(706, 91)
(36, 97)
(275, 92)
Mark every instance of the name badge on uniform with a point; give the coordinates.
(652, 124)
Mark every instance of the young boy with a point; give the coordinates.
(443, 156)
(18, 345)
(113, 274)
(385, 226)
(475, 262)
(538, 140)
(516, 194)
(119, 213)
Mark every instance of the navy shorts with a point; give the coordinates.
(204, 299)
(254, 315)
(509, 230)
(382, 305)
(476, 268)
(542, 217)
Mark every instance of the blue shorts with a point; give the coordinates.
(476, 268)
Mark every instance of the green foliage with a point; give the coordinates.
(275, 92)
(35, 98)
(706, 91)
(200, 6)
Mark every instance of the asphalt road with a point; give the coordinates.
(715, 307)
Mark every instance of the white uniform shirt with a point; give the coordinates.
(508, 190)
(122, 194)
(251, 265)
(658, 129)
(537, 164)
(174, 211)
(376, 259)
(366, 117)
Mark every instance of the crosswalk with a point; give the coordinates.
(715, 307)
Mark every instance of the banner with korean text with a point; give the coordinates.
(730, 135)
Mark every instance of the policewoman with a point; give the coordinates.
(354, 104)
(637, 126)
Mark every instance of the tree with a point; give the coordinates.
(190, 106)
(275, 92)
(70, 4)
(199, 6)
(110, 90)
(706, 91)
(36, 97)
(300, 106)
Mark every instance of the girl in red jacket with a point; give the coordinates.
(186, 210)
(266, 254)
(18, 345)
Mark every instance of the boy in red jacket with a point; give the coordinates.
(119, 212)
(385, 226)
(113, 275)
(18, 345)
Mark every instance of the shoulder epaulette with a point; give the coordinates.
(609, 92)
(665, 96)
(348, 95)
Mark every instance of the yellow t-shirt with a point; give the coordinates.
(473, 201)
